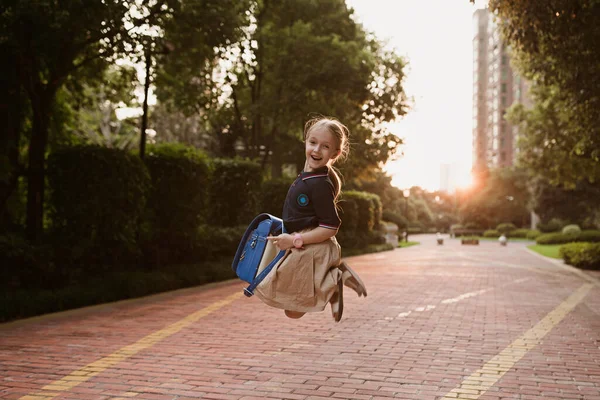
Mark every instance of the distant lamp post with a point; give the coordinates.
(406, 193)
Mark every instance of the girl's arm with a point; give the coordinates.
(286, 241)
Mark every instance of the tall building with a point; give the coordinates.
(495, 87)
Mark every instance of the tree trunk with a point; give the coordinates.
(11, 119)
(36, 170)
(145, 106)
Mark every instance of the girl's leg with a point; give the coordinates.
(337, 301)
(294, 314)
(352, 280)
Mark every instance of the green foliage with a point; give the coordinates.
(589, 236)
(555, 46)
(554, 225)
(506, 227)
(395, 218)
(503, 198)
(195, 34)
(97, 199)
(93, 102)
(533, 234)
(177, 202)
(491, 233)
(220, 241)
(366, 209)
(520, 233)
(89, 34)
(348, 211)
(581, 255)
(234, 191)
(297, 56)
(361, 214)
(272, 196)
(560, 238)
(122, 283)
(571, 230)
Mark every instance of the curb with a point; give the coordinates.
(87, 309)
(566, 267)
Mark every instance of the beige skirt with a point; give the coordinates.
(304, 279)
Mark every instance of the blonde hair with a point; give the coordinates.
(341, 133)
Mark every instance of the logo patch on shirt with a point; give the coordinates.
(302, 200)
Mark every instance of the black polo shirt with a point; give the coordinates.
(310, 202)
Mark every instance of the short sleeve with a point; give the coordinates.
(322, 197)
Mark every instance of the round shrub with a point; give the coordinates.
(491, 233)
(533, 234)
(571, 230)
(176, 203)
(519, 233)
(506, 227)
(97, 197)
(234, 192)
(581, 255)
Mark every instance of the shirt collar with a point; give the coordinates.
(318, 171)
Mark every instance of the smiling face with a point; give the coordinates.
(321, 148)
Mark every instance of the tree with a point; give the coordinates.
(555, 46)
(48, 44)
(548, 142)
(299, 58)
(578, 205)
(504, 197)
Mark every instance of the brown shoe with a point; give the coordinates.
(352, 280)
(337, 302)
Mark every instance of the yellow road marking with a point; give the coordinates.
(481, 380)
(89, 371)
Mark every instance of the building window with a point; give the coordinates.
(503, 87)
(504, 100)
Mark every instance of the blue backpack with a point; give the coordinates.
(256, 256)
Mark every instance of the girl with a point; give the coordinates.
(310, 274)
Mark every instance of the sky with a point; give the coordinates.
(435, 37)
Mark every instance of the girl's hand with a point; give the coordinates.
(282, 242)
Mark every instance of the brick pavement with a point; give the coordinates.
(436, 318)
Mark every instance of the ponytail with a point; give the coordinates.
(335, 177)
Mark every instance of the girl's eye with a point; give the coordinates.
(326, 147)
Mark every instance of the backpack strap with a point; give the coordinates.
(249, 291)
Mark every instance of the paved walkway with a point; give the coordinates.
(440, 322)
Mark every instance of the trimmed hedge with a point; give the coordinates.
(395, 218)
(561, 238)
(272, 196)
(519, 233)
(361, 214)
(97, 197)
(491, 233)
(177, 203)
(533, 234)
(581, 255)
(234, 192)
(366, 207)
